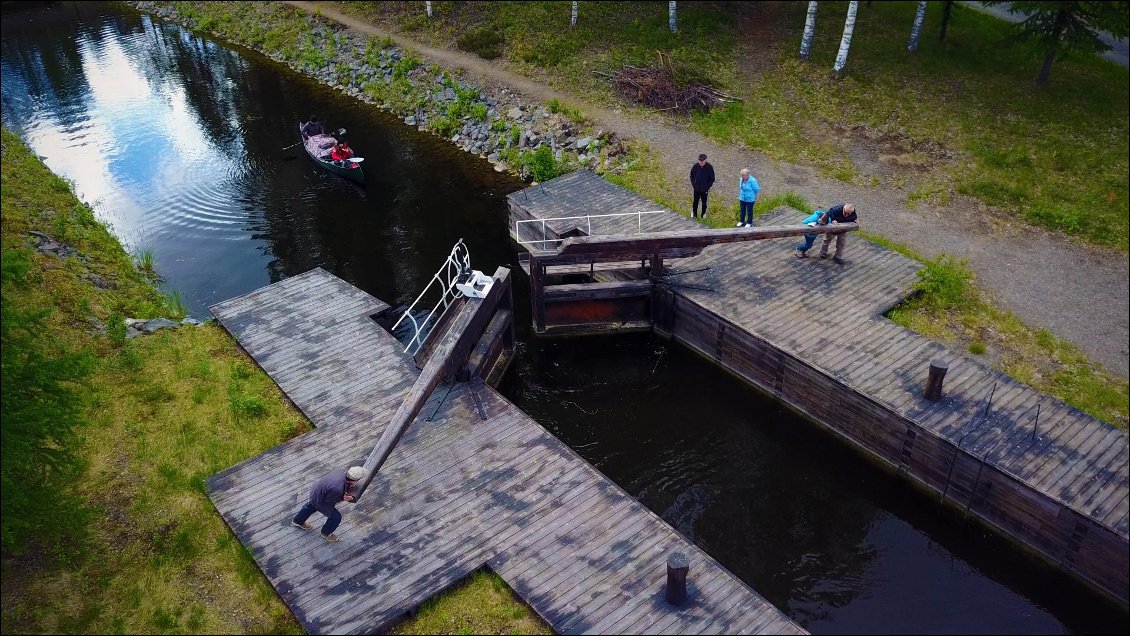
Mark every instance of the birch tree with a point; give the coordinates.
(809, 31)
(916, 31)
(573, 18)
(945, 19)
(671, 15)
(428, 8)
(845, 41)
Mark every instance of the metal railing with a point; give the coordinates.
(587, 225)
(453, 270)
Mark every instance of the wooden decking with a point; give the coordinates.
(813, 333)
(460, 491)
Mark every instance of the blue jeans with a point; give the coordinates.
(745, 212)
(333, 517)
(809, 239)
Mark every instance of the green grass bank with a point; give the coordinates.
(960, 116)
(107, 442)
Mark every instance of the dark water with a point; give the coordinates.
(177, 141)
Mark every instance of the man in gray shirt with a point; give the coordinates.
(325, 494)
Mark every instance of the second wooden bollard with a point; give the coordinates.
(677, 567)
(938, 370)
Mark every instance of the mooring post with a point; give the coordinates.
(677, 567)
(938, 370)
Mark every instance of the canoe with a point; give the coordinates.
(349, 170)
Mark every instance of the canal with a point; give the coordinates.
(180, 144)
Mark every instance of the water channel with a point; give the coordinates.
(177, 141)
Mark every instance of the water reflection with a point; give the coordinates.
(179, 143)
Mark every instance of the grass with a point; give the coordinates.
(484, 42)
(483, 604)
(146, 263)
(964, 115)
(143, 548)
(947, 306)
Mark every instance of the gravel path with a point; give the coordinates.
(1077, 292)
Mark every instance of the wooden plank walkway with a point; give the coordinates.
(829, 318)
(458, 492)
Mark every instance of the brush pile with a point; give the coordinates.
(667, 87)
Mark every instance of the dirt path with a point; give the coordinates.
(1079, 293)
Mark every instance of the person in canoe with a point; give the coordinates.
(312, 128)
(341, 151)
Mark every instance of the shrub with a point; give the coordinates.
(542, 164)
(484, 42)
(41, 408)
(574, 115)
(479, 111)
(404, 66)
(444, 125)
(977, 347)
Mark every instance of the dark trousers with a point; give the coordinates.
(333, 517)
(745, 214)
(809, 239)
(699, 196)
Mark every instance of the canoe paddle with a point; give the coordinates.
(356, 159)
(293, 145)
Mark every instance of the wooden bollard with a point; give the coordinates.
(938, 370)
(677, 567)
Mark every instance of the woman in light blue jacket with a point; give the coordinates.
(748, 190)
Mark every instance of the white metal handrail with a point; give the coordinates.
(457, 265)
(588, 223)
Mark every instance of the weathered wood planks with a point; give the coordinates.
(813, 333)
(460, 492)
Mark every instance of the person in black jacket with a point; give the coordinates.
(333, 488)
(702, 177)
(838, 214)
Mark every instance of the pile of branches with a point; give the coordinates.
(666, 86)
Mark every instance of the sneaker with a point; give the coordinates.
(330, 537)
(749, 224)
(823, 255)
(304, 526)
(801, 254)
(837, 260)
(741, 224)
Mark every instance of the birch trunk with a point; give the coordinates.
(573, 18)
(809, 31)
(916, 31)
(845, 41)
(428, 7)
(671, 15)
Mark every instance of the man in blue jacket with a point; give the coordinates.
(702, 177)
(333, 488)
